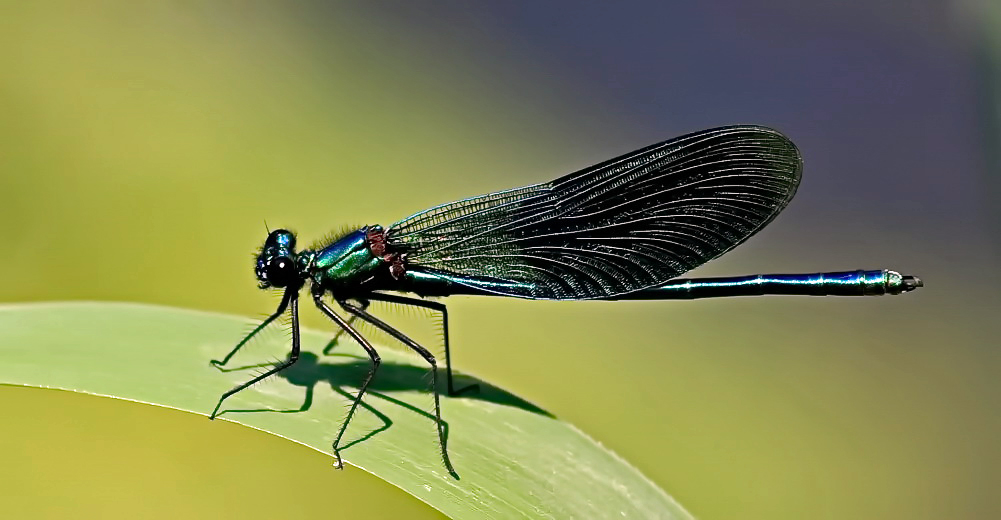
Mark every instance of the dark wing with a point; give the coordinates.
(627, 224)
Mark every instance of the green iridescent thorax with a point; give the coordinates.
(344, 264)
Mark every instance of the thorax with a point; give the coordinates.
(356, 263)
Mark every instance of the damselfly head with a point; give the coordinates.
(276, 265)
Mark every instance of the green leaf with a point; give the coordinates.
(513, 459)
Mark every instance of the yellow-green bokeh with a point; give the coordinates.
(144, 144)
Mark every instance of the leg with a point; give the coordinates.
(342, 323)
(292, 357)
(363, 314)
(333, 341)
(281, 308)
(435, 306)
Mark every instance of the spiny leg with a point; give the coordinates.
(281, 309)
(333, 341)
(376, 360)
(434, 306)
(292, 357)
(361, 313)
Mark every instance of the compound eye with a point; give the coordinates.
(281, 271)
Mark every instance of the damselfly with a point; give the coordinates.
(621, 230)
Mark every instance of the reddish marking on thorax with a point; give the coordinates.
(375, 237)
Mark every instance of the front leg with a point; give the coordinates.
(292, 357)
(281, 308)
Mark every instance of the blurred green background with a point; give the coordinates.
(144, 144)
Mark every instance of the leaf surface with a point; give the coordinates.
(513, 458)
